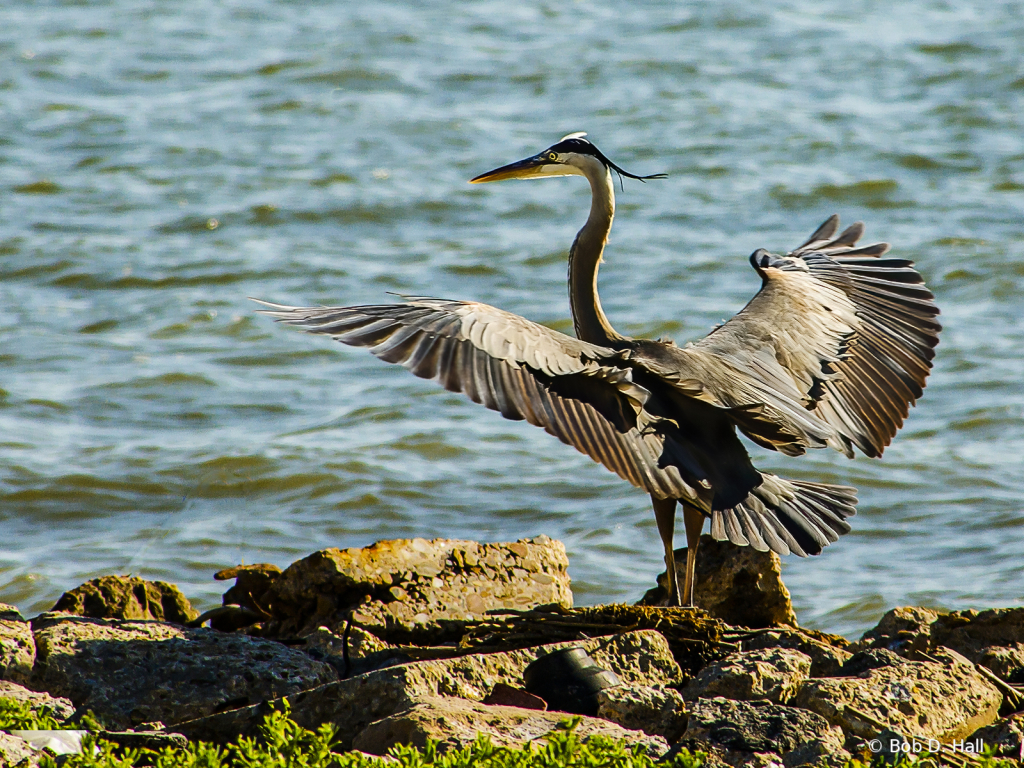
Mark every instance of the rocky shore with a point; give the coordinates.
(411, 640)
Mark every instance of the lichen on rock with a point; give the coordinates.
(923, 699)
(827, 652)
(455, 723)
(772, 674)
(17, 647)
(129, 598)
(758, 727)
(655, 711)
(131, 672)
(640, 658)
(406, 590)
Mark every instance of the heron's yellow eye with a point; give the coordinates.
(552, 156)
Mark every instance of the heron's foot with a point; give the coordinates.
(662, 597)
(673, 601)
(673, 597)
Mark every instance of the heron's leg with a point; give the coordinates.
(665, 514)
(693, 518)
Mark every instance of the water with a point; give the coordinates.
(160, 162)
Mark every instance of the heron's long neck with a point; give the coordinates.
(584, 258)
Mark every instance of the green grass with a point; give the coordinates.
(284, 744)
(19, 716)
(925, 760)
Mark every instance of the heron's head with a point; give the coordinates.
(573, 155)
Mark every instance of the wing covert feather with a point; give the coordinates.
(836, 331)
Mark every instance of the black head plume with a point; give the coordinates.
(575, 142)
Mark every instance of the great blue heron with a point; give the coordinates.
(830, 352)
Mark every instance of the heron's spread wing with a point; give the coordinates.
(837, 331)
(579, 392)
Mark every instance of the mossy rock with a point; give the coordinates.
(129, 598)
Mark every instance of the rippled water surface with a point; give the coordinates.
(160, 162)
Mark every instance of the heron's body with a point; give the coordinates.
(831, 352)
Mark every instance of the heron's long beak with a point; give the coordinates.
(531, 167)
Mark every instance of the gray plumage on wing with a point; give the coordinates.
(832, 351)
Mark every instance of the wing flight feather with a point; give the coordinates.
(581, 393)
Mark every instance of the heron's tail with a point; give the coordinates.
(787, 516)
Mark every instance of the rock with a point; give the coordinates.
(511, 696)
(360, 644)
(324, 645)
(131, 672)
(901, 630)
(17, 648)
(966, 629)
(694, 637)
(455, 723)
(872, 658)
(655, 711)
(993, 639)
(821, 753)
(14, 749)
(739, 585)
(155, 740)
(252, 588)
(920, 699)
(972, 633)
(775, 674)
(944, 655)
(58, 708)
(1007, 663)
(1005, 736)
(354, 652)
(129, 598)
(248, 602)
(827, 652)
(640, 658)
(760, 727)
(408, 590)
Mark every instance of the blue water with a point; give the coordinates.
(160, 162)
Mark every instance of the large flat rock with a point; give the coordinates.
(641, 658)
(131, 672)
(17, 648)
(917, 699)
(409, 590)
(456, 723)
